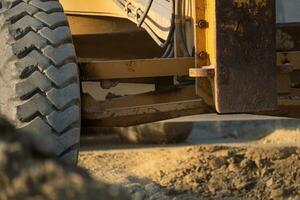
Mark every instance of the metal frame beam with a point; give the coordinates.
(142, 108)
(121, 69)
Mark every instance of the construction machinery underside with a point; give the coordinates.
(153, 60)
(142, 61)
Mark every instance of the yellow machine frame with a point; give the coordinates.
(99, 17)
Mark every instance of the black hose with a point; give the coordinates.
(171, 55)
(168, 49)
(141, 21)
(156, 38)
(179, 29)
(122, 3)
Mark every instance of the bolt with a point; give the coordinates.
(202, 55)
(202, 23)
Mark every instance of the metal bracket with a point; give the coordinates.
(205, 71)
(285, 68)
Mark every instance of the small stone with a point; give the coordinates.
(139, 195)
(270, 182)
(258, 162)
(243, 184)
(222, 153)
(285, 153)
(159, 196)
(161, 174)
(152, 188)
(212, 188)
(263, 172)
(217, 163)
(247, 164)
(133, 188)
(277, 193)
(233, 167)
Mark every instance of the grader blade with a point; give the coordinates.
(238, 42)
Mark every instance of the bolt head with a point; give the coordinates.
(202, 55)
(202, 24)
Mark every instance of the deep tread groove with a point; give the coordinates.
(34, 59)
(57, 36)
(61, 54)
(62, 119)
(63, 75)
(63, 144)
(24, 25)
(19, 11)
(47, 6)
(69, 139)
(52, 20)
(61, 97)
(30, 41)
(38, 104)
(36, 81)
(48, 85)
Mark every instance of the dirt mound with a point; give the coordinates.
(201, 172)
(27, 172)
(220, 172)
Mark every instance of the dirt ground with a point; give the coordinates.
(265, 169)
(261, 170)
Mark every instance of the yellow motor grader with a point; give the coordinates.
(118, 63)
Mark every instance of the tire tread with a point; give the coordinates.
(48, 85)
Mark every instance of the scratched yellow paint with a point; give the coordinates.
(211, 37)
(205, 39)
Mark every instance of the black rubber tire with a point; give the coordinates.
(39, 82)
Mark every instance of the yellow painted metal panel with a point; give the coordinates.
(160, 12)
(92, 7)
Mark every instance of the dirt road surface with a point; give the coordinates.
(258, 164)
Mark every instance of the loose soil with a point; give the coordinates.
(259, 170)
(28, 172)
(249, 171)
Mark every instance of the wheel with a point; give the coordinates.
(156, 133)
(39, 83)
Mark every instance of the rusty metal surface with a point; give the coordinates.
(142, 108)
(132, 120)
(246, 69)
(92, 69)
(96, 114)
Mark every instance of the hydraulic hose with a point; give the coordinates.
(141, 21)
(168, 49)
(179, 27)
